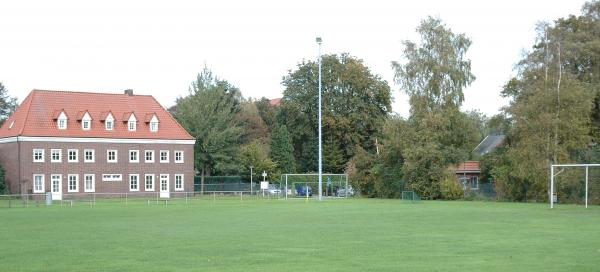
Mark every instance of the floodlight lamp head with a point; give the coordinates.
(319, 40)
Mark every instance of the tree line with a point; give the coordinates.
(553, 117)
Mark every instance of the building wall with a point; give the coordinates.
(9, 160)
(101, 166)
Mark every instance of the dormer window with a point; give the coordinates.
(109, 122)
(154, 124)
(86, 122)
(132, 123)
(62, 121)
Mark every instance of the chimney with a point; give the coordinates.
(128, 92)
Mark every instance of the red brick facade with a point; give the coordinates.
(17, 146)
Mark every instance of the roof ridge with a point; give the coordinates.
(86, 92)
(173, 118)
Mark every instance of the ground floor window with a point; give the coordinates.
(38, 183)
(73, 183)
(134, 182)
(89, 183)
(474, 183)
(178, 182)
(149, 182)
(55, 180)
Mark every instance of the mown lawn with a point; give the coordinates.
(297, 235)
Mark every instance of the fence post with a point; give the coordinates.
(186, 198)
(214, 197)
(125, 199)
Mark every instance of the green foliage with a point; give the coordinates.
(434, 76)
(3, 185)
(209, 114)
(355, 105)
(450, 187)
(256, 154)
(252, 124)
(437, 70)
(268, 112)
(282, 150)
(8, 104)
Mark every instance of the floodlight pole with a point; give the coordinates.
(319, 41)
(251, 166)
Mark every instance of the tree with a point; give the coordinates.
(434, 76)
(8, 104)
(253, 126)
(209, 114)
(268, 112)
(256, 154)
(355, 105)
(282, 150)
(436, 71)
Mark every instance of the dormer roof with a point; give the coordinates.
(37, 115)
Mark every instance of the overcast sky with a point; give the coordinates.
(158, 47)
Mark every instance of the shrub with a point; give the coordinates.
(451, 188)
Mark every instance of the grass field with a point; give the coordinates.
(296, 235)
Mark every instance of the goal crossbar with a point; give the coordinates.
(552, 175)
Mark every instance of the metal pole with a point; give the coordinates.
(551, 186)
(586, 187)
(286, 186)
(251, 179)
(319, 41)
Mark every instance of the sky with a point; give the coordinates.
(158, 47)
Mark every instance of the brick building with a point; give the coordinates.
(79, 142)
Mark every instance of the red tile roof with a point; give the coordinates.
(275, 101)
(37, 116)
(466, 167)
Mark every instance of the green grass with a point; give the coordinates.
(296, 235)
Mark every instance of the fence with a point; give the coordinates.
(133, 198)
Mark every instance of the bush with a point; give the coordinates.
(451, 188)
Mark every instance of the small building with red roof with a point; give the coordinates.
(468, 173)
(73, 143)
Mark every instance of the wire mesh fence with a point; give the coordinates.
(135, 198)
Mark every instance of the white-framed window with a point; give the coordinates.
(132, 123)
(38, 155)
(62, 121)
(86, 122)
(112, 177)
(178, 156)
(73, 155)
(38, 183)
(89, 183)
(149, 182)
(111, 155)
(134, 156)
(73, 183)
(154, 124)
(149, 156)
(178, 182)
(89, 155)
(134, 182)
(55, 155)
(109, 122)
(164, 156)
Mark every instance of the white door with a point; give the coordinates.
(56, 187)
(164, 186)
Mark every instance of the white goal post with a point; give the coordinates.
(552, 175)
(285, 177)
